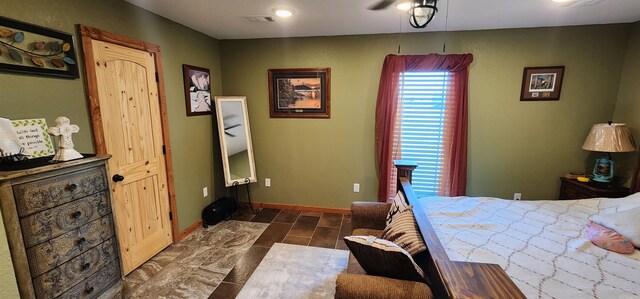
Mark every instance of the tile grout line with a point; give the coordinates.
(292, 224)
(231, 282)
(335, 246)
(150, 278)
(252, 244)
(308, 242)
(315, 229)
(300, 215)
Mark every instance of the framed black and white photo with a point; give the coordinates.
(542, 83)
(197, 90)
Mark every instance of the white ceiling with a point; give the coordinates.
(224, 19)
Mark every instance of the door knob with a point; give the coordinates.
(117, 178)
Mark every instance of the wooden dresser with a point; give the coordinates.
(574, 189)
(60, 229)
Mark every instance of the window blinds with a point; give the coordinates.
(423, 97)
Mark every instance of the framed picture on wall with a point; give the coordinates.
(197, 90)
(542, 83)
(34, 50)
(300, 93)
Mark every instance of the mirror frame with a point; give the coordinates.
(223, 144)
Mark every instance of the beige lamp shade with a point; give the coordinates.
(609, 138)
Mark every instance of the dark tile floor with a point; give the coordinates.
(285, 226)
(215, 262)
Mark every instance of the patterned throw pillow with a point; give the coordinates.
(383, 258)
(625, 223)
(404, 232)
(608, 239)
(398, 206)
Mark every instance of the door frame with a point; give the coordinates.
(89, 33)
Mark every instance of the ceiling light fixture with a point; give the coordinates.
(422, 13)
(283, 12)
(404, 6)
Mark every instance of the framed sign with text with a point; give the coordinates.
(33, 136)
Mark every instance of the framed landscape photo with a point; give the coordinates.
(542, 83)
(300, 93)
(197, 90)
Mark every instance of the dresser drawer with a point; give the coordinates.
(573, 193)
(61, 279)
(50, 254)
(47, 193)
(48, 224)
(97, 283)
(573, 189)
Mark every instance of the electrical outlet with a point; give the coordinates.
(517, 196)
(356, 187)
(205, 192)
(267, 182)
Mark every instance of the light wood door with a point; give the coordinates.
(132, 129)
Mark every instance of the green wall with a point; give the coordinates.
(195, 158)
(191, 137)
(628, 105)
(513, 146)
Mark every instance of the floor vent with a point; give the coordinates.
(259, 19)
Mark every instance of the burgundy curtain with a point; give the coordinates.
(454, 172)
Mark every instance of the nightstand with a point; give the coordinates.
(573, 189)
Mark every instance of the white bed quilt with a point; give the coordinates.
(540, 244)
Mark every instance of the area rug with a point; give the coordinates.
(294, 271)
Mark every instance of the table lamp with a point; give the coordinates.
(608, 138)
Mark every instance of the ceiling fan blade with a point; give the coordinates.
(229, 134)
(233, 126)
(381, 5)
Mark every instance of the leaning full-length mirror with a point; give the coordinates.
(235, 140)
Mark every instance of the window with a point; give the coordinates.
(434, 90)
(423, 96)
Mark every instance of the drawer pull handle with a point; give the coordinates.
(72, 187)
(76, 214)
(117, 178)
(81, 241)
(89, 291)
(86, 266)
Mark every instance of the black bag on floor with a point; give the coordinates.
(219, 210)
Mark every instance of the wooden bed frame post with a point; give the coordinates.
(405, 168)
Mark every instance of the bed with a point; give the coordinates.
(494, 248)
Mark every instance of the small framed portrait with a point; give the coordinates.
(542, 83)
(300, 93)
(197, 90)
